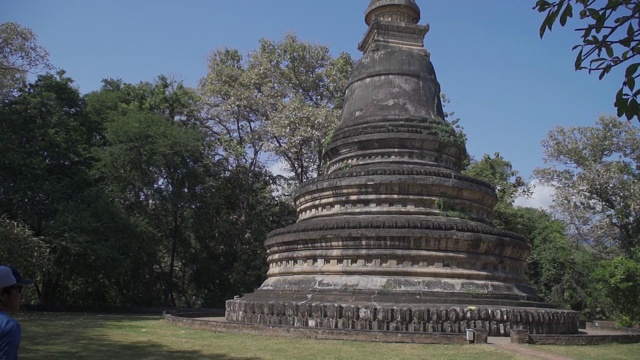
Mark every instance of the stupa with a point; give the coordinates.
(393, 237)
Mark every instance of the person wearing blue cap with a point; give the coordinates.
(11, 284)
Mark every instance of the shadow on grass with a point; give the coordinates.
(82, 336)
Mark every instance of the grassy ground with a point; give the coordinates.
(596, 352)
(92, 336)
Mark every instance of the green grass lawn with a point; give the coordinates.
(595, 352)
(93, 336)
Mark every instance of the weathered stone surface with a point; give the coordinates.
(392, 237)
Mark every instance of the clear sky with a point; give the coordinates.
(508, 87)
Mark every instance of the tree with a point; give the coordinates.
(44, 171)
(19, 247)
(200, 213)
(595, 173)
(154, 161)
(609, 38)
(228, 256)
(560, 272)
(452, 133)
(20, 56)
(507, 183)
(617, 279)
(283, 98)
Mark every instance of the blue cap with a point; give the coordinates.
(10, 276)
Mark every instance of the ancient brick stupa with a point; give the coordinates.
(393, 237)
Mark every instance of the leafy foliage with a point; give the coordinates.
(559, 269)
(117, 198)
(609, 39)
(618, 281)
(594, 170)
(451, 134)
(19, 247)
(20, 56)
(507, 183)
(283, 98)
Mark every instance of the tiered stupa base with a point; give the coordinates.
(381, 312)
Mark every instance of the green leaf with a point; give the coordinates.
(542, 5)
(593, 13)
(633, 109)
(631, 83)
(631, 70)
(587, 32)
(567, 13)
(543, 28)
(620, 102)
(604, 72)
(578, 63)
(608, 49)
(629, 112)
(583, 14)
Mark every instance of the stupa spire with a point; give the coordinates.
(406, 11)
(393, 22)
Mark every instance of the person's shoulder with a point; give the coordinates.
(7, 323)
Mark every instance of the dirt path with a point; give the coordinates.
(527, 352)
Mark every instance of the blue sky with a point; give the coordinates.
(508, 87)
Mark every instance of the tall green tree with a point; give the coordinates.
(45, 166)
(594, 170)
(228, 256)
(283, 98)
(609, 38)
(595, 173)
(617, 281)
(201, 214)
(154, 161)
(560, 271)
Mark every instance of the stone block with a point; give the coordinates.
(332, 312)
(317, 310)
(498, 315)
(362, 324)
(436, 315)
(520, 336)
(447, 327)
(418, 315)
(365, 314)
(444, 314)
(393, 326)
(384, 314)
(494, 330)
(329, 323)
(481, 336)
(485, 314)
(453, 315)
